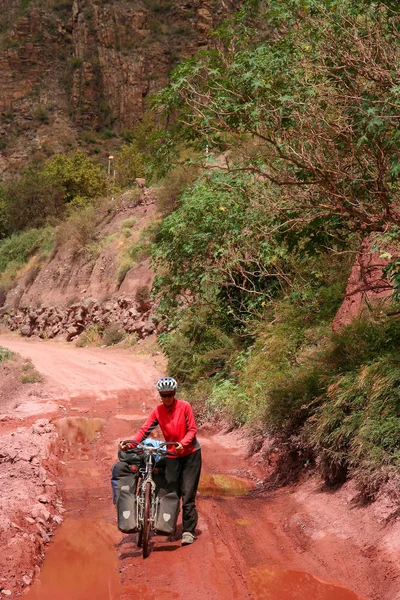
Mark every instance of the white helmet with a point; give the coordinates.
(166, 384)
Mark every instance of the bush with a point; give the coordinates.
(90, 337)
(41, 114)
(79, 229)
(29, 373)
(77, 176)
(129, 164)
(171, 188)
(5, 354)
(16, 250)
(31, 201)
(113, 335)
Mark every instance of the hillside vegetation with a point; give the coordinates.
(279, 157)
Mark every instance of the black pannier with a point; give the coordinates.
(167, 514)
(131, 458)
(127, 508)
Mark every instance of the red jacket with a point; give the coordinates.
(177, 425)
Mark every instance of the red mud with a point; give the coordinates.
(294, 544)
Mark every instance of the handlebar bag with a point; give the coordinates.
(130, 457)
(167, 514)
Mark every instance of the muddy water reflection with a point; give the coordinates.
(79, 429)
(274, 584)
(223, 485)
(81, 563)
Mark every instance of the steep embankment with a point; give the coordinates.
(102, 281)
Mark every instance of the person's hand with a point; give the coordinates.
(124, 446)
(179, 448)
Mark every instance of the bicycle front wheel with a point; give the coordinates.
(146, 521)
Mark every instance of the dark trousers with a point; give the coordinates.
(183, 475)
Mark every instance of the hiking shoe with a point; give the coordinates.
(187, 538)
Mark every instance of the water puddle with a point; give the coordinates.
(223, 485)
(275, 584)
(82, 563)
(78, 430)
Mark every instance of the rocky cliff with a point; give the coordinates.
(73, 66)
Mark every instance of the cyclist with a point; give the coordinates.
(176, 420)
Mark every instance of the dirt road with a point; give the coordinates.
(297, 543)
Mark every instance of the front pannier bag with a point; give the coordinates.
(167, 514)
(127, 507)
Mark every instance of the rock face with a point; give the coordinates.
(68, 65)
(366, 285)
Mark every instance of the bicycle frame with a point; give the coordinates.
(146, 476)
(147, 499)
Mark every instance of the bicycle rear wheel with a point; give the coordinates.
(146, 521)
(140, 538)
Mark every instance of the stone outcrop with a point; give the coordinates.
(123, 314)
(366, 286)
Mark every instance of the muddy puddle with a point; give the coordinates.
(274, 584)
(223, 485)
(79, 430)
(82, 564)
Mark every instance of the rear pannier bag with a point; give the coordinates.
(167, 514)
(127, 507)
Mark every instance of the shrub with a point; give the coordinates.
(112, 335)
(17, 249)
(171, 188)
(77, 176)
(5, 354)
(124, 267)
(29, 373)
(31, 201)
(41, 114)
(129, 165)
(90, 137)
(75, 62)
(79, 229)
(128, 223)
(90, 337)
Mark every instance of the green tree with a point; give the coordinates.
(30, 201)
(130, 164)
(76, 175)
(310, 102)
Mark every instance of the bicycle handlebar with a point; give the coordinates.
(161, 449)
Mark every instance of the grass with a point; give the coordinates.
(5, 354)
(18, 251)
(90, 337)
(95, 335)
(30, 374)
(18, 248)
